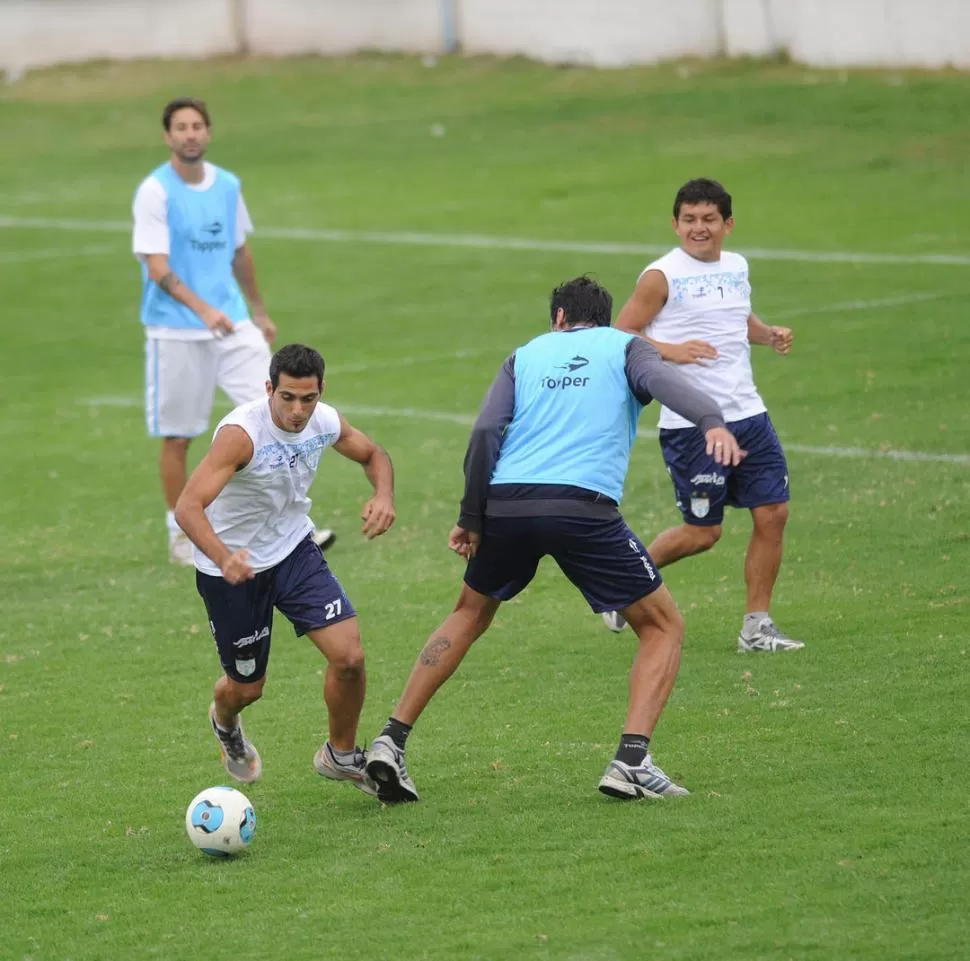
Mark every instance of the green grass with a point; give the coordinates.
(828, 819)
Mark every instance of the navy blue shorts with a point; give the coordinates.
(703, 487)
(302, 587)
(603, 558)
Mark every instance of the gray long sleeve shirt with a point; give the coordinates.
(648, 377)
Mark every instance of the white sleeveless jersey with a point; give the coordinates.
(265, 507)
(712, 302)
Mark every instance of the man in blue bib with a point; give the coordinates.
(544, 474)
(190, 229)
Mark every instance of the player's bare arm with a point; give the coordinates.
(231, 450)
(647, 300)
(378, 513)
(779, 339)
(650, 379)
(244, 271)
(160, 271)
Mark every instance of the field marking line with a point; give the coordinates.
(54, 253)
(489, 242)
(899, 300)
(466, 420)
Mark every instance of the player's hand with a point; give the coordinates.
(723, 447)
(236, 568)
(781, 338)
(691, 352)
(217, 321)
(266, 326)
(464, 543)
(378, 515)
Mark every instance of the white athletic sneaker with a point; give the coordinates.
(180, 549)
(328, 765)
(386, 768)
(613, 621)
(239, 755)
(646, 780)
(768, 638)
(324, 538)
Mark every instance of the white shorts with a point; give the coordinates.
(181, 377)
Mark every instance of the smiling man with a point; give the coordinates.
(205, 322)
(246, 510)
(694, 306)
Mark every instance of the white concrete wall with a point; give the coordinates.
(611, 33)
(920, 33)
(40, 32)
(928, 33)
(282, 27)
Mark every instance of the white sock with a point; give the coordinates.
(752, 622)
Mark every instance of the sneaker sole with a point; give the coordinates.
(389, 788)
(249, 777)
(361, 783)
(625, 791)
(744, 649)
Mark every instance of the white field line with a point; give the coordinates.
(466, 420)
(53, 253)
(487, 242)
(897, 301)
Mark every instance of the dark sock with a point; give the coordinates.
(397, 731)
(633, 749)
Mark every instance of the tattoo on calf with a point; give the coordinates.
(169, 282)
(433, 650)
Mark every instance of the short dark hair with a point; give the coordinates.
(296, 360)
(703, 191)
(583, 301)
(180, 103)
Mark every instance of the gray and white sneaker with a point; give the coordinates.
(323, 537)
(239, 755)
(386, 768)
(646, 780)
(328, 765)
(768, 638)
(614, 621)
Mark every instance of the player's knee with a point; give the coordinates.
(248, 692)
(348, 662)
(704, 538)
(772, 516)
(477, 609)
(671, 622)
(479, 618)
(657, 613)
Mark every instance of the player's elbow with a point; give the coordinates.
(186, 508)
(158, 266)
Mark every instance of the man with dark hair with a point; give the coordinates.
(190, 229)
(544, 474)
(246, 510)
(694, 306)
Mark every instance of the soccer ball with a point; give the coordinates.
(220, 821)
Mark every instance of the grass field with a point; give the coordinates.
(828, 818)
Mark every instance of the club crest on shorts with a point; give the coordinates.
(246, 667)
(700, 505)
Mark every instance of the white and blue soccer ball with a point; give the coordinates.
(220, 821)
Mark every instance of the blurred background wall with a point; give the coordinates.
(609, 33)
